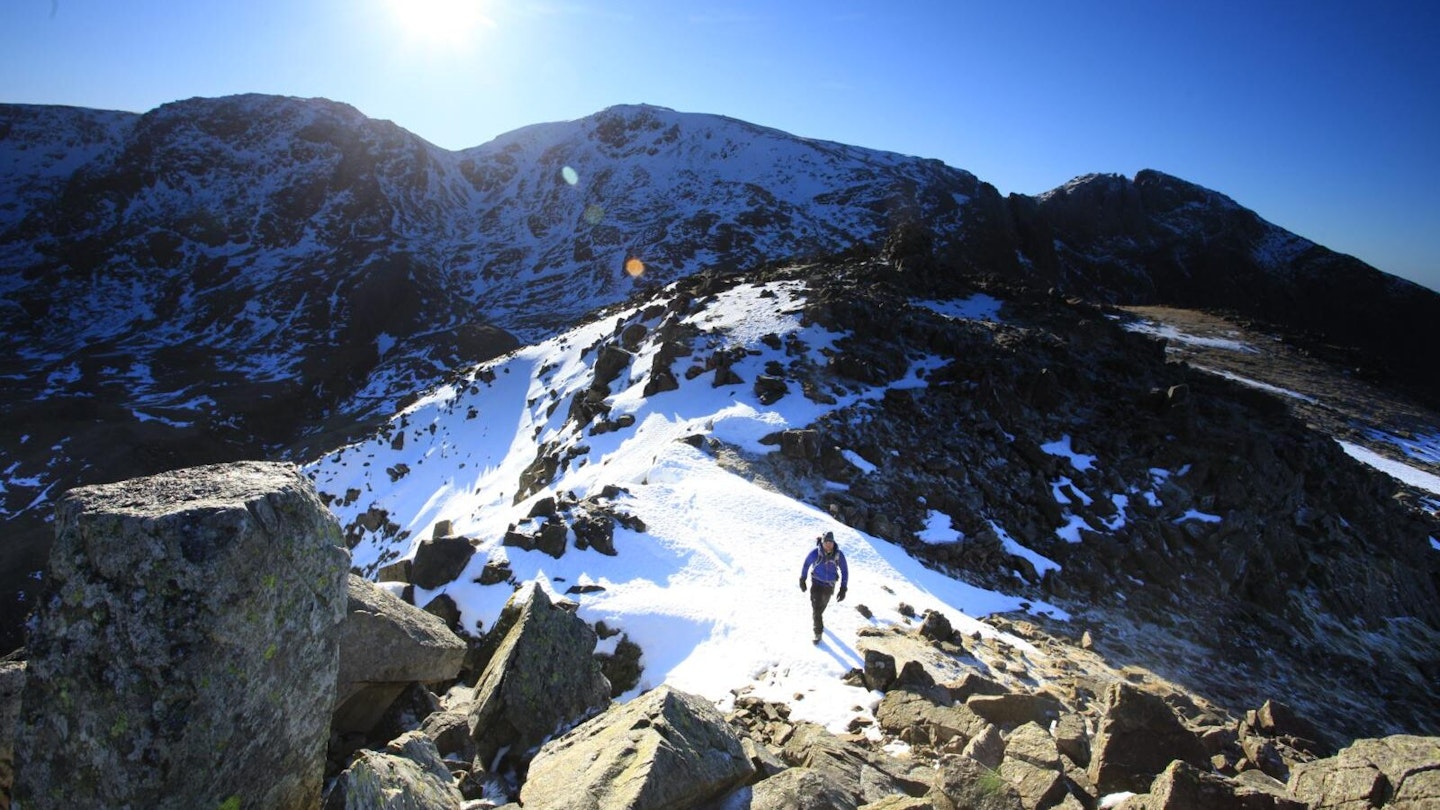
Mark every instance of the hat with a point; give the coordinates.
(828, 537)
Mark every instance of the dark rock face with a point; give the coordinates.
(665, 749)
(190, 623)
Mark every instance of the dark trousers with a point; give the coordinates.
(819, 598)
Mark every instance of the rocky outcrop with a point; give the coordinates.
(385, 645)
(186, 648)
(1182, 786)
(1402, 771)
(1138, 737)
(664, 750)
(541, 676)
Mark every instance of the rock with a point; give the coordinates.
(443, 607)
(12, 683)
(1138, 736)
(1013, 708)
(916, 678)
(610, 362)
(972, 684)
(495, 572)
(451, 732)
(936, 626)
(385, 645)
(541, 676)
(962, 783)
(1032, 766)
(1275, 719)
(439, 560)
(186, 647)
(1400, 771)
(409, 774)
(899, 803)
(864, 775)
(799, 789)
(987, 748)
(933, 724)
(765, 761)
(664, 749)
(769, 389)
(879, 670)
(1073, 739)
(621, 668)
(1184, 787)
(800, 444)
(631, 337)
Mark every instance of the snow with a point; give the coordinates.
(709, 590)
(1173, 334)
(1274, 389)
(978, 307)
(1195, 514)
(1395, 469)
(1061, 447)
(938, 531)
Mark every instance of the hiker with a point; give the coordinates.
(825, 567)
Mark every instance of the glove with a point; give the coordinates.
(802, 583)
(840, 597)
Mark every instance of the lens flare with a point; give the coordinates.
(593, 214)
(634, 267)
(571, 176)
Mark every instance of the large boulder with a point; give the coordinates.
(922, 721)
(1401, 771)
(1032, 766)
(408, 775)
(864, 775)
(665, 749)
(961, 783)
(542, 676)
(799, 789)
(385, 645)
(440, 560)
(1139, 735)
(185, 649)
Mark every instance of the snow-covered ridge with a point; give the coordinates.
(708, 589)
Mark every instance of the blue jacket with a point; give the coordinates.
(828, 568)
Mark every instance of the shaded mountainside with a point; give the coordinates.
(257, 276)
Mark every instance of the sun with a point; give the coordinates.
(451, 23)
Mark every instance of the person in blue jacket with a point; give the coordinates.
(825, 568)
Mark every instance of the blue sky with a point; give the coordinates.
(1321, 116)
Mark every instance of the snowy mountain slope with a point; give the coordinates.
(682, 193)
(1060, 504)
(708, 588)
